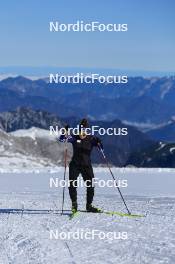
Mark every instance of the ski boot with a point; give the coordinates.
(92, 209)
(74, 207)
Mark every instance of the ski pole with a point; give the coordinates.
(107, 163)
(65, 167)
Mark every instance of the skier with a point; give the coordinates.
(81, 164)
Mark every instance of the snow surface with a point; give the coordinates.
(24, 238)
(16, 162)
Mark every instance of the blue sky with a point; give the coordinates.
(149, 43)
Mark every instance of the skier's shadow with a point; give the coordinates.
(34, 211)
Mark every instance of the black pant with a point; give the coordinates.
(87, 174)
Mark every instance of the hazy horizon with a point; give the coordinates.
(41, 71)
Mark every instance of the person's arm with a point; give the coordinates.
(66, 137)
(97, 142)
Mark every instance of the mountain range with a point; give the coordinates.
(145, 107)
(25, 136)
(117, 148)
(156, 156)
(141, 100)
(165, 133)
(24, 118)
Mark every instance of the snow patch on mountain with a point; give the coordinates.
(34, 133)
(165, 88)
(29, 150)
(162, 145)
(172, 150)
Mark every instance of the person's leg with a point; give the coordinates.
(73, 175)
(88, 175)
